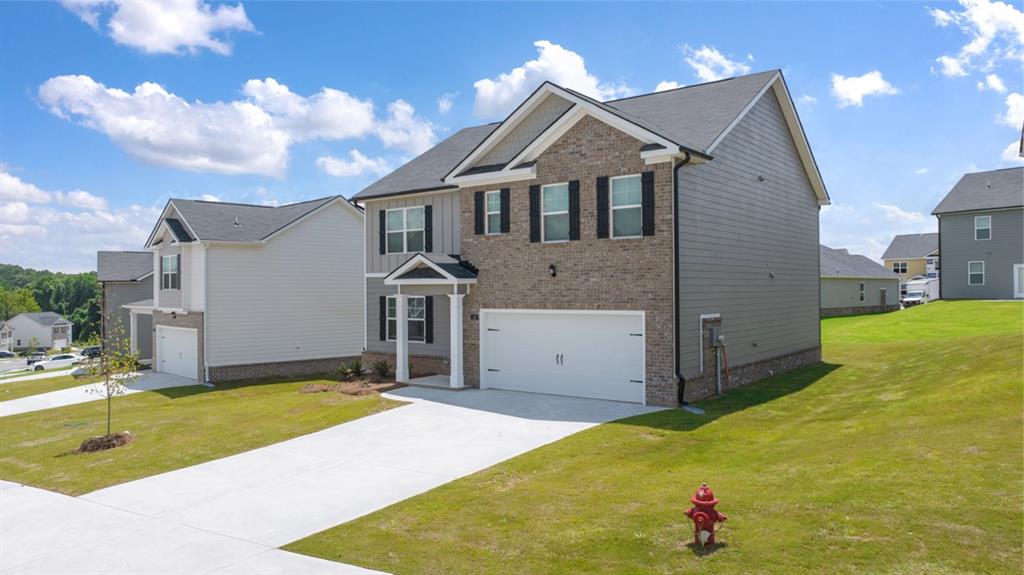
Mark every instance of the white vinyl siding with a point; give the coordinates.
(555, 213)
(626, 206)
(983, 227)
(405, 230)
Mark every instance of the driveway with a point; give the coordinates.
(231, 514)
(146, 382)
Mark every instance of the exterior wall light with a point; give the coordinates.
(552, 270)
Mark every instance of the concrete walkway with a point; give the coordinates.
(27, 377)
(229, 515)
(73, 395)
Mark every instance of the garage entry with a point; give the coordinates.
(596, 354)
(177, 351)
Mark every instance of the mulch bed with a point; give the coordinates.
(104, 442)
(361, 387)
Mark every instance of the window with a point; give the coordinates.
(169, 278)
(627, 210)
(492, 212)
(983, 227)
(405, 230)
(555, 213)
(861, 292)
(417, 318)
(899, 267)
(976, 273)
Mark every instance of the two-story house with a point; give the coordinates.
(45, 329)
(913, 255)
(6, 337)
(599, 249)
(125, 278)
(243, 291)
(981, 236)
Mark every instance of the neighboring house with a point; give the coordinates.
(913, 255)
(48, 328)
(243, 291)
(981, 234)
(6, 337)
(125, 278)
(853, 284)
(590, 249)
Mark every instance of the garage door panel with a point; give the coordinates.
(178, 351)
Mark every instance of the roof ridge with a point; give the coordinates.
(693, 85)
(995, 170)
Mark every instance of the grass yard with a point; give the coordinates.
(173, 428)
(901, 453)
(16, 389)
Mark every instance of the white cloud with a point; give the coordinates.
(159, 27)
(81, 199)
(445, 102)
(898, 214)
(851, 90)
(868, 229)
(1011, 153)
(995, 33)
(209, 198)
(12, 188)
(357, 165)
(921, 171)
(1014, 116)
(667, 85)
(807, 100)
(248, 136)
(992, 82)
(497, 97)
(709, 64)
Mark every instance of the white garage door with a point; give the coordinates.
(178, 351)
(598, 354)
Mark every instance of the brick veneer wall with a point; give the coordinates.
(192, 319)
(704, 385)
(609, 274)
(323, 366)
(855, 310)
(419, 365)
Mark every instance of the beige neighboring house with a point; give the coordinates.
(913, 255)
(6, 337)
(49, 328)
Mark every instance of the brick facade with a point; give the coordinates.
(192, 319)
(856, 310)
(704, 386)
(419, 365)
(324, 366)
(599, 274)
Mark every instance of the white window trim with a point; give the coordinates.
(904, 264)
(976, 228)
(387, 320)
(487, 213)
(176, 272)
(969, 272)
(543, 213)
(405, 230)
(612, 207)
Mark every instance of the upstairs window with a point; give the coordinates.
(983, 227)
(976, 273)
(627, 207)
(555, 213)
(169, 277)
(492, 212)
(899, 267)
(405, 230)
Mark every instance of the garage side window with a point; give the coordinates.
(169, 276)
(417, 318)
(983, 227)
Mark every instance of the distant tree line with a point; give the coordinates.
(75, 296)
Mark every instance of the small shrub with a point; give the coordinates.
(381, 369)
(357, 367)
(351, 370)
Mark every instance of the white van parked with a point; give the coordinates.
(920, 291)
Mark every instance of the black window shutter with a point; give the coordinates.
(428, 228)
(535, 213)
(574, 210)
(383, 318)
(429, 320)
(177, 275)
(647, 201)
(478, 213)
(505, 215)
(381, 236)
(602, 207)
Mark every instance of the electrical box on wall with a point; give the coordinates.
(716, 336)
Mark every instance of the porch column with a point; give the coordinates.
(455, 355)
(134, 334)
(401, 338)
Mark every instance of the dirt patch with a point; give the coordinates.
(104, 442)
(362, 387)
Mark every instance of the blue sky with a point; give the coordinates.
(107, 109)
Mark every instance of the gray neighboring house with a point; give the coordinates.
(126, 278)
(591, 249)
(50, 330)
(854, 284)
(981, 236)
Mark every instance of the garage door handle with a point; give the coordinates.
(636, 381)
(637, 334)
(493, 369)
(493, 329)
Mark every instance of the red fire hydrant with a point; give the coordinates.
(704, 516)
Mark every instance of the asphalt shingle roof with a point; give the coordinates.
(841, 263)
(216, 221)
(692, 116)
(45, 317)
(911, 246)
(122, 266)
(985, 191)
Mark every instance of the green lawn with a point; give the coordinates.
(29, 371)
(173, 428)
(17, 389)
(902, 454)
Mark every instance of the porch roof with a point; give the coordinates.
(432, 269)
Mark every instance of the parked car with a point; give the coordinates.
(6, 354)
(921, 291)
(56, 361)
(92, 352)
(34, 355)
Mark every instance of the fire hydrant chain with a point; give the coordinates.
(704, 516)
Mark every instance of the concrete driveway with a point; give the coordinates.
(148, 381)
(231, 514)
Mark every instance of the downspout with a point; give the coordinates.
(680, 380)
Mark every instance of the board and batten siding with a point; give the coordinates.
(442, 319)
(845, 292)
(169, 298)
(298, 296)
(445, 225)
(1000, 253)
(748, 249)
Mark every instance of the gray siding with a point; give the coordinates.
(539, 119)
(735, 233)
(374, 289)
(1000, 253)
(116, 318)
(445, 225)
(170, 298)
(845, 292)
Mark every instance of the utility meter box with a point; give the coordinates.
(716, 336)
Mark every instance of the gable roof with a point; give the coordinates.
(841, 263)
(911, 246)
(45, 318)
(989, 190)
(432, 268)
(123, 266)
(690, 119)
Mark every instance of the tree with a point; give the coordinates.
(116, 367)
(13, 302)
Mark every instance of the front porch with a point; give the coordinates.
(140, 329)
